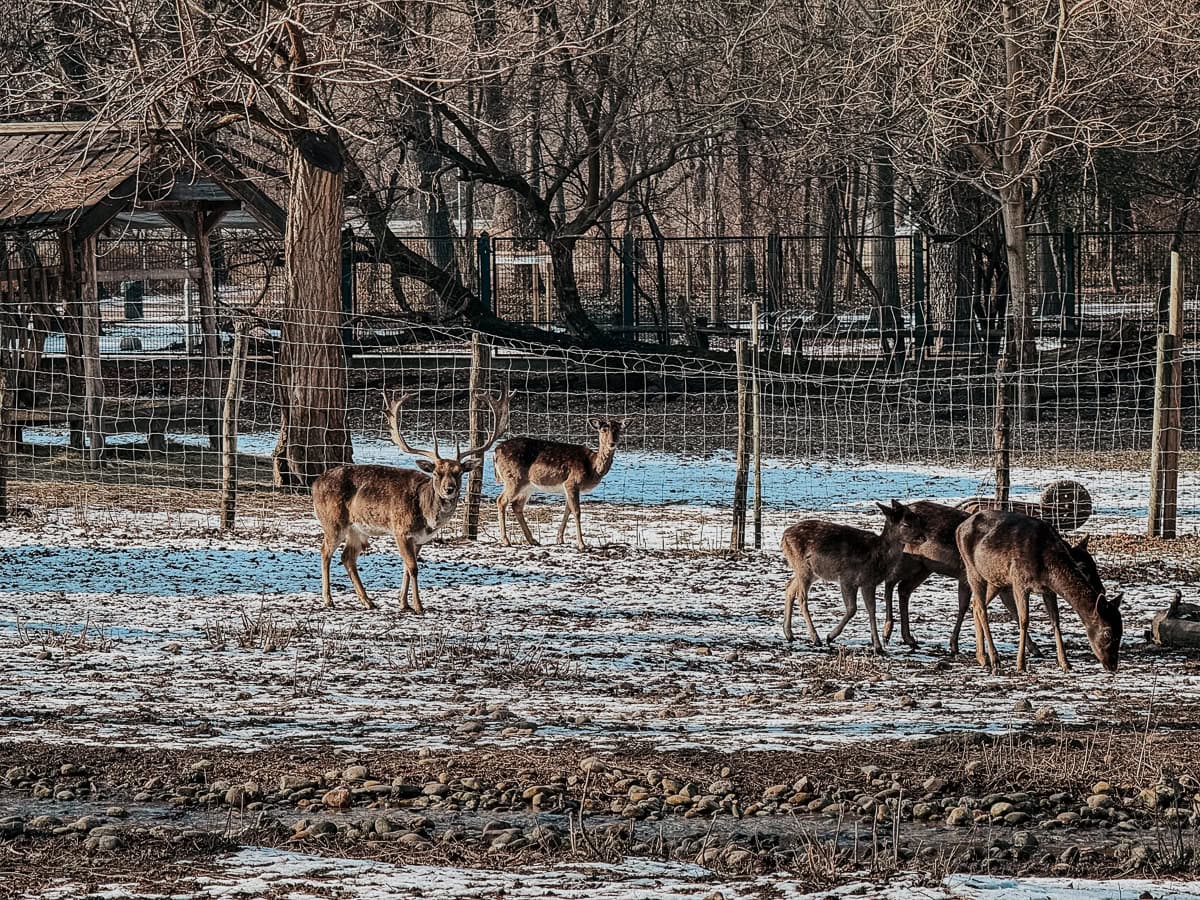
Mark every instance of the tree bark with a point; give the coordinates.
(827, 271)
(891, 325)
(312, 371)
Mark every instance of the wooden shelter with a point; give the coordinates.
(69, 181)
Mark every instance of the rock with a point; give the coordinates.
(935, 785)
(65, 796)
(922, 811)
(405, 791)
(11, 827)
(738, 857)
(871, 772)
(592, 764)
(775, 791)
(974, 767)
(721, 787)
(1102, 787)
(338, 798)
(86, 823)
(959, 815)
(1100, 801)
(1046, 714)
(846, 693)
(414, 840)
(235, 796)
(355, 774)
(289, 783)
(1000, 810)
(1022, 706)
(43, 823)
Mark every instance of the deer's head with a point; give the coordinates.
(1104, 624)
(901, 525)
(610, 430)
(446, 472)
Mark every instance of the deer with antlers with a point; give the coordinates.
(357, 502)
(524, 465)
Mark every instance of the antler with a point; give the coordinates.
(500, 413)
(392, 409)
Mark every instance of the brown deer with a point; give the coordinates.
(936, 555)
(858, 560)
(355, 503)
(1006, 549)
(524, 465)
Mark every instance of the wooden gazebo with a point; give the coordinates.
(72, 180)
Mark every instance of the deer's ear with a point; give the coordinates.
(1115, 600)
(470, 465)
(627, 421)
(1082, 545)
(886, 510)
(426, 465)
(594, 424)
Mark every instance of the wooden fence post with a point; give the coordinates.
(737, 537)
(481, 361)
(229, 428)
(1167, 425)
(1003, 437)
(208, 327)
(93, 382)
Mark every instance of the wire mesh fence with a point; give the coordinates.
(839, 423)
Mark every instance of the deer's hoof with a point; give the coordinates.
(912, 645)
(887, 632)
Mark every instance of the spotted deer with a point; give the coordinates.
(354, 503)
(524, 465)
(858, 560)
(1007, 549)
(936, 555)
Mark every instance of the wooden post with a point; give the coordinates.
(89, 317)
(1167, 426)
(1003, 438)
(757, 426)
(1154, 519)
(229, 428)
(6, 435)
(208, 330)
(72, 331)
(737, 538)
(481, 361)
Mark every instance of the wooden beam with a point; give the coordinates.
(254, 201)
(112, 276)
(87, 223)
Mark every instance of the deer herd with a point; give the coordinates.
(990, 552)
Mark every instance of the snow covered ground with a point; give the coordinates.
(256, 872)
(147, 629)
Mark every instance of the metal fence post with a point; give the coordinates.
(483, 252)
(1069, 280)
(920, 334)
(347, 287)
(628, 274)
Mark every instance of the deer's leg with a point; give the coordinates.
(993, 658)
(572, 494)
(562, 525)
(964, 603)
(977, 592)
(849, 597)
(906, 591)
(797, 589)
(868, 595)
(1050, 600)
(1006, 597)
(350, 561)
(408, 551)
(501, 508)
(889, 588)
(1021, 601)
(328, 545)
(518, 505)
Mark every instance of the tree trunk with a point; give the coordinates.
(949, 269)
(312, 371)
(566, 290)
(887, 280)
(827, 271)
(1021, 348)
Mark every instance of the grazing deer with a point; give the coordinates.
(1005, 549)
(936, 555)
(354, 503)
(524, 465)
(858, 560)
